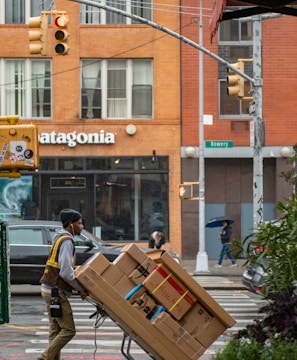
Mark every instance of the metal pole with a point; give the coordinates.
(258, 123)
(167, 31)
(202, 258)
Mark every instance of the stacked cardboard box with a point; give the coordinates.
(156, 302)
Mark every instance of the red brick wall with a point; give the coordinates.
(162, 133)
(279, 83)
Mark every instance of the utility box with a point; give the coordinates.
(19, 147)
(4, 276)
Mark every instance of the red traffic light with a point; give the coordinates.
(61, 34)
(61, 21)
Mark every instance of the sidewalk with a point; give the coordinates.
(225, 277)
(225, 270)
(216, 278)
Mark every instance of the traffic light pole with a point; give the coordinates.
(202, 257)
(256, 111)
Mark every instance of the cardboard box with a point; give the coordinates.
(169, 291)
(97, 262)
(99, 265)
(133, 262)
(145, 304)
(124, 285)
(205, 319)
(203, 326)
(140, 330)
(207, 301)
(125, 263)
(135, 252)
(178, 335)
(142, 271)
(138, 291)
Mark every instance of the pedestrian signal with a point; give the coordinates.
(185, 191)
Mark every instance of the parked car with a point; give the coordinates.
(30, 242)
(254, 275)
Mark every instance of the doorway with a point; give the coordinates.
(63, 192)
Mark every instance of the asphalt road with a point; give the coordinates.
(26, 334)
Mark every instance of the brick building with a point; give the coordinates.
(108, 116)
(117, 114)
(229, 177)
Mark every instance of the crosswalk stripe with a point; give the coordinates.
(107, 338)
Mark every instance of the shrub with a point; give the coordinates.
(250, 349)
(275, 336)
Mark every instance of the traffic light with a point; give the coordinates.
(185, 191)
(20, 146)
(61, 34)
(236, 81)
(38, 35)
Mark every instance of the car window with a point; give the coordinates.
(53, 233)
(30, 236)
(79, 241)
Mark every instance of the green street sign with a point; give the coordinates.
(218, 144)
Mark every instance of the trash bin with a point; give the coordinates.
(4, 276)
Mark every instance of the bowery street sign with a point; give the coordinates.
(219, 144)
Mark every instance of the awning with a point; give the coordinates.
(250, 8)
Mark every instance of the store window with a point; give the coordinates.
(18, 198)
(116, 89)
(131, 206)
(235, 42)
(93, 15)
(33, 101)
(121, 198)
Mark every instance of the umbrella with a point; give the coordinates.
(218, 221)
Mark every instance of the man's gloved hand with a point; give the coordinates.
(83, 294)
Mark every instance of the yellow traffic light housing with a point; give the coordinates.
(19, 147)
(236, 81)
(61, 34)
(38, 34)
(185, 191)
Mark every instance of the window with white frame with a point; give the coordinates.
(41, 89)
(27, 88)
(116, 89)
(235, 42)
(236, 31)
(93, 15)
(17, 11)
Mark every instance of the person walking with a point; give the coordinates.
(58, 281)
(225, 236)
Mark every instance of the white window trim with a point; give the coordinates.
(129, 83)
(128, 10)
(27, 86)
(2, 12)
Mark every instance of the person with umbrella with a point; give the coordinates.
(225, 236)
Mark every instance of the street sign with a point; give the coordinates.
(218, 144)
